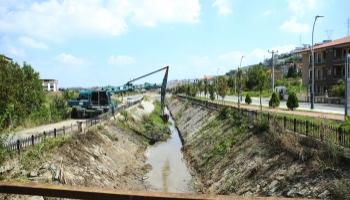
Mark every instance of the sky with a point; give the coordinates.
(108, 42)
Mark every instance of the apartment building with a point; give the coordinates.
(50, 85)
(330, 58)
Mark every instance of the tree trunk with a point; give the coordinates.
(260, 101)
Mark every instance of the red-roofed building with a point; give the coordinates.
(330, 58)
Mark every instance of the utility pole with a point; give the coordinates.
(273, 69)
(313, 64)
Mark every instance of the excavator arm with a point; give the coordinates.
(162, 89)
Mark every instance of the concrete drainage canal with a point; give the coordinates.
(169, 170)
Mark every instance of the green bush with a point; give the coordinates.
(346, 124)
(274, 101)
(292, 101)
(338, 90)
(224, 113)
(248, 99)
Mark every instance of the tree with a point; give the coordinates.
(231, 83)
(292, 101)
(292, 72)
(200, 86)
(222, 87)
(211, 91)
(248, 100)
(205, 87)
(261, 80)
(239, 85)
(252, 80)
(274, 101)
(21, 93)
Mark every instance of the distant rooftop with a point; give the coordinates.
(7, 58)
(337, 42)
(47, 80)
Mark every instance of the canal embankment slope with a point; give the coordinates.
(108, 155)
(231, 154)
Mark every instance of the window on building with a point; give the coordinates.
(318, 74)
(329, 72)
(310, 59)
(334, 71)
(344, 53)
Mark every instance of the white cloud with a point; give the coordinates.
(8, 48)
(223, 7)
(121, 59)
(59, 19)
(69, 59)
(30, 42)
(299, 7)
(267, 12)
(292, 25)
(254, 56)
(151, 12)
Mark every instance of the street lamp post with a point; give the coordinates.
(347, 76)
(312, 96)
(273, 69)
(239, 80)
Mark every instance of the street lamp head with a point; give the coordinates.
(318, 16)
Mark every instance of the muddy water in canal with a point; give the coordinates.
(169, 171)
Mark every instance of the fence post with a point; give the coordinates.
(18, 146)
(32, 140)
(340, 134)
(44, 135)
(284, 122)
(295, 125)
(64, 130)
(268, 117)
(55, 132)
(307, 127)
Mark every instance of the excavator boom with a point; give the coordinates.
(163, 87)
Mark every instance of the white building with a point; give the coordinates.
(50, 85)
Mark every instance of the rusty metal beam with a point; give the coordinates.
(75, 192)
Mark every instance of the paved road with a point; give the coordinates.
(40, 129)
(304, 106)
(49, 127)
